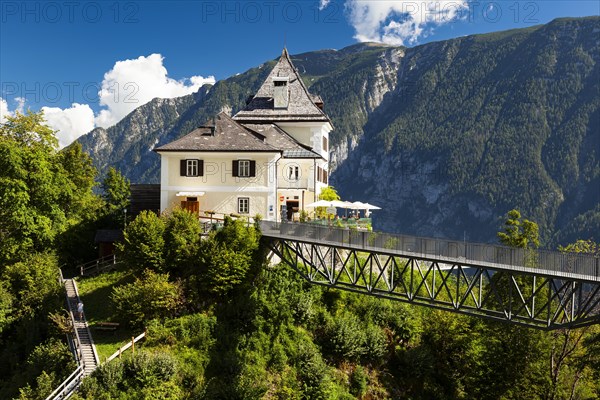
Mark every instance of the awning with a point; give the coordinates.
(189, 194)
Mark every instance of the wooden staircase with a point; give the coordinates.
(82, 346)
(89, 357)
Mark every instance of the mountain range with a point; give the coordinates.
(446, 137)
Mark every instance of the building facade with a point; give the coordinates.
(271, 158)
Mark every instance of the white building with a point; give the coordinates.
(273, 153)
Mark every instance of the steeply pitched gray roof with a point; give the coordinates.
(301, 106)
(280, 139)
(227, 135)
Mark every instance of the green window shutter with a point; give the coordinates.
(252, 168)
(235, 168)
(183, 167)
(200, 167)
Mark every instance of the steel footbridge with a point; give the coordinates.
(535, 288)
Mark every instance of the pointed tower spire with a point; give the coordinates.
(282, 97)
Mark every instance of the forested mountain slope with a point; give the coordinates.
(445, 137)
(482, 124)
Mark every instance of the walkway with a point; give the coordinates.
(81, 344)
(88, 357)
(554, 264)
(536, 288)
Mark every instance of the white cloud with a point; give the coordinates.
(4, 112)
(20, 104)
(69, 123)
(133, 83)
(323, 4)
(127, 86)
(400, 22)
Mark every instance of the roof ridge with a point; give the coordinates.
(289, 59)
(287, 135)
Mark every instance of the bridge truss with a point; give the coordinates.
(528, 297)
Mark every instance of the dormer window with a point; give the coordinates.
(281, 93)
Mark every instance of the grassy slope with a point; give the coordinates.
(95, 293)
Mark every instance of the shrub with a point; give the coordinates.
(110, 376)
(149, 369)
(143, 243)
(358, 381)
(228, 257)
(195, 330)
(375, 343)
(345, 337)
(152, 296)
(312, 370)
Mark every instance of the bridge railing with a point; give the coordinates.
(465, 252)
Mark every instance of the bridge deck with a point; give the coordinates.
(553, 264)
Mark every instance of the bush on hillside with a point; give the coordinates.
(149, 297)
(143, 243)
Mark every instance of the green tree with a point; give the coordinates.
(116, 192)
(143, 243)
(34, 281)
(80, 175)
(582, 247)
(84, 208)
(329, 193)
(43, 192)
(519, 232)
(182, 238)
(228, 258)
(29, 130)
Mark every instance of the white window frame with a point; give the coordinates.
(293, 173)
(243, 205)
(244, 168)
(191, 167)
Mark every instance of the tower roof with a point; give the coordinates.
(301, 106)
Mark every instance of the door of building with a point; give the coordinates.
(292, 207)
(191, 204)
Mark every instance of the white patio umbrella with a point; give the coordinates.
(357, 205)
(320, 203)
(329, 203)
(340, 204)
(371, 207)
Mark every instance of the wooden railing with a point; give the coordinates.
(86, 327)
(131, 345)
(98, 265)
(68, 385)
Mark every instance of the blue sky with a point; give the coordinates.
(56, 53)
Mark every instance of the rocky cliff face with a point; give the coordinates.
(374, 87)
(445, 137)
